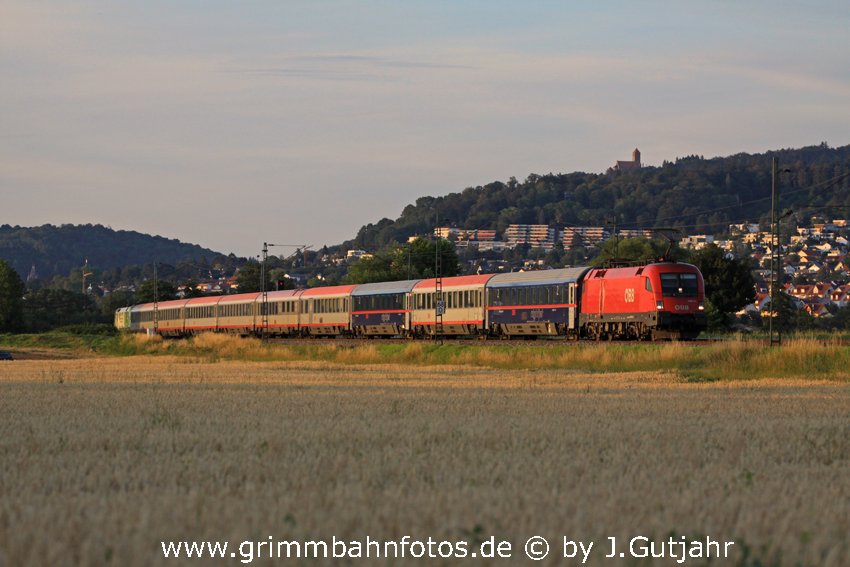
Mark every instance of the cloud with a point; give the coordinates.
(344, 67)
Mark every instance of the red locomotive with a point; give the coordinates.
(654, 301)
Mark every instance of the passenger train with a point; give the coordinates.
(659, 300)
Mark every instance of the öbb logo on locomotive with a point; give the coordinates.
(657, 300)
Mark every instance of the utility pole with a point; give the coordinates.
(155, 299)
(775, 259)
(86, 273)
(439, 304)
(264, 307)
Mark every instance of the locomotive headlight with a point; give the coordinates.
(701, 306)
(659, 305)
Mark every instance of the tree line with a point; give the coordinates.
(693, 194)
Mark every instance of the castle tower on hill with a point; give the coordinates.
(629, 165)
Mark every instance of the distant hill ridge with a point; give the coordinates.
(694, 194)
(56, 250)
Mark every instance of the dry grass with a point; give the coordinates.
(102, 458)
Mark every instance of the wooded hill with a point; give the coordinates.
(56, 250)
(694, 194)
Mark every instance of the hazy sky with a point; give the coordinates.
(227, 124)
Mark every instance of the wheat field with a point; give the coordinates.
(101, 459)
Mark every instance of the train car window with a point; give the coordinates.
(648, 285)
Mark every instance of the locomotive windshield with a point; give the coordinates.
(679, 285)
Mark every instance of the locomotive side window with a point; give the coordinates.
(648, 285)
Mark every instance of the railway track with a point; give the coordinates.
(520, 342)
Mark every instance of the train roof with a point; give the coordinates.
(170, 304)
(541, 277)
(457, 281)
(206, 300)
(646, 269)
(385, 287)
(284, 294)
(239, 298)
(330, 290)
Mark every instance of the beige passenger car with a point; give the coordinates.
(463, 306)
(326, 310)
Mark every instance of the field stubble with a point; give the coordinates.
(103, 458)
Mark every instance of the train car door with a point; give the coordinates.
(572, 310)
